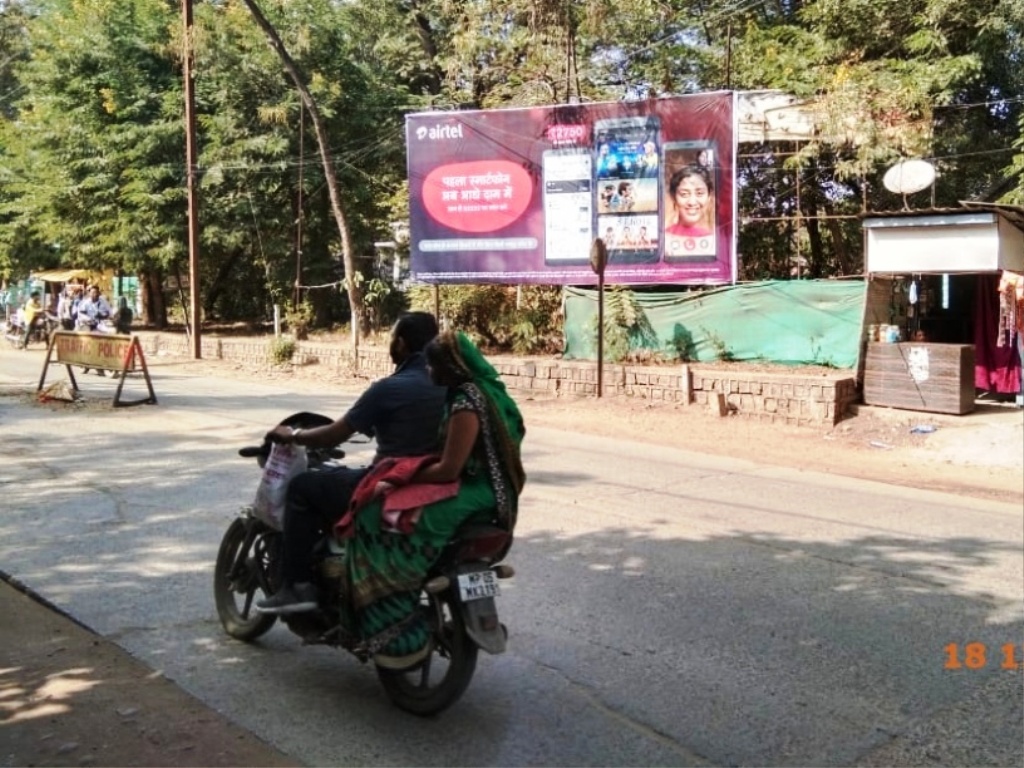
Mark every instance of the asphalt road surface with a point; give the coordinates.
(669, 608)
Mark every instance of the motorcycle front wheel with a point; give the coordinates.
(443, 677)
(244, 572)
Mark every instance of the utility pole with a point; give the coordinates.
(728, 56)
(191, 162)
(297, 295)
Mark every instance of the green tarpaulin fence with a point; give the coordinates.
(795, 322)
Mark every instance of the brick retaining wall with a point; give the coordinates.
(788, 398)
(373, 362)
(778, 397)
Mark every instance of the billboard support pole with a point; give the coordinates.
(598, 261)
(600, 333)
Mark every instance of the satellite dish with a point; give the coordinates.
(909, 176)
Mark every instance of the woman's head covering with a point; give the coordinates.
(468, 365)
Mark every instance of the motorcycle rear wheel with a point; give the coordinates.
(237, 587)
(443, 677)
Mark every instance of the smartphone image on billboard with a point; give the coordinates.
(627, 194)
(690, 178)
(568, 205)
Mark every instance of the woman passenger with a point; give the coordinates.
(483, 430)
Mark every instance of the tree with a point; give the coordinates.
(274, 39)
(93, 138)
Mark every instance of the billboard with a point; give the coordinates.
(519, 195)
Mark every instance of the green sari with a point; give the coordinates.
(385, 570)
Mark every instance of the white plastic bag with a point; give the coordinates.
(284, 462)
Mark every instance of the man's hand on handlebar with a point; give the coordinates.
(290, 436)
(280, 434)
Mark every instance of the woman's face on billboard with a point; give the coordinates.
(691, 200)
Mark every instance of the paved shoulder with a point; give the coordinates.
(69, 697)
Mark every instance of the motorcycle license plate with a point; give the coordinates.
(478, 585)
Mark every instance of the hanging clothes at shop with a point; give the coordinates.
(1011, 317)
(997, 357)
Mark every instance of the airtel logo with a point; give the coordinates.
(439, 132)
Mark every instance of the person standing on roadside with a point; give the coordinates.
(67, 307)
(123, 317)
(91, 310)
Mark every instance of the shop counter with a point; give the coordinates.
(920, 376)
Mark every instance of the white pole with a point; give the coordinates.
(277, 320)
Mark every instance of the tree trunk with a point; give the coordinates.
(844, 263)
(154, 310)
(217, 288)
(816, 265)
(274, 40)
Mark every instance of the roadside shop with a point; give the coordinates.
(944, 308)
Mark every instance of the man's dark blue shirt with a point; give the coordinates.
(402, 412)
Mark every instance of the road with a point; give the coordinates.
(670, 608)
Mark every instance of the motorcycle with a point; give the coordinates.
(457, 596)
(42, 327)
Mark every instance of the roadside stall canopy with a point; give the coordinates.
(61, 275)
(969, 240)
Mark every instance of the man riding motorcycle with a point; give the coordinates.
(402, 412)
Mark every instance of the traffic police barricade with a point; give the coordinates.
(117, 353)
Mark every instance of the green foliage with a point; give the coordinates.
(526, 320)
(281, 350)
(532, 323)
(298, 320)
(627, 329)
(719, 345)
(616, 340)
(384, 303)
(92, 146)
(97, 154)
(1014, 193)
(683, 344)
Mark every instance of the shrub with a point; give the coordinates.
(281, 350)
(628, 334)
(527, 321)
(298, 320)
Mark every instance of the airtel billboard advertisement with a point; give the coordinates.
(520, 195)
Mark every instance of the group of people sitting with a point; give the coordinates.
(443, 422)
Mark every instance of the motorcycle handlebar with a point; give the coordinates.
(255, 451)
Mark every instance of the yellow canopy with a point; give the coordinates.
(60, 275)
